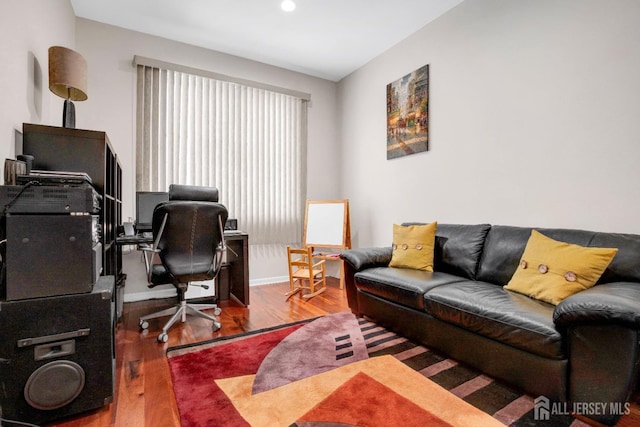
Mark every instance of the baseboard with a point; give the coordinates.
(268, 281)
(280, 279)
(171, 292)
(147, 295)
(168, 293)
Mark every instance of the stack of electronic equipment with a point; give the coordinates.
(57, 344)
(52, 237)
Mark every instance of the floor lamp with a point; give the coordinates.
(68, 80)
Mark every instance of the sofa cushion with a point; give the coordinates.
(413, 246)
(458, 248)
(401, 285)
(625, 266)
(551, 270)
(505, 245)
(495, 313)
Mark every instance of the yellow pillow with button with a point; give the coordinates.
(413, 246)
(551, 270)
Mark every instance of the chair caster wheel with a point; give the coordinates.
(144, 324)
(217, 311)
(216, 326)
(163, 337)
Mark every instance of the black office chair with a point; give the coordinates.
(188, 233)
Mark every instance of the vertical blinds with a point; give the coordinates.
(248, 142)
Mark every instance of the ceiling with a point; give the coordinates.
(323, 38)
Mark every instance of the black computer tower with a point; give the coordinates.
(57, 354)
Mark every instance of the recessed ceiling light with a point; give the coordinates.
(288, 5)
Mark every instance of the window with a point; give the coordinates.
(248, 141)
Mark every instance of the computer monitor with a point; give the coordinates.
(146, 202)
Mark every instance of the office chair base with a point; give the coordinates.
(180, 312)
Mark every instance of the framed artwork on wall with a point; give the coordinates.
(408, 114)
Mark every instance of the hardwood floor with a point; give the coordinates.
(144, 395)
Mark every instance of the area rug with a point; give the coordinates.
(337, 370)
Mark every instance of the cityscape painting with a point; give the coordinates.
(408, 114)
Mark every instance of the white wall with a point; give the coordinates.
(534, 112)
(109, 53)
(27, 29)
(534, 121)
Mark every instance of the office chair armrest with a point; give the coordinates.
(148, 254)
(220, 250)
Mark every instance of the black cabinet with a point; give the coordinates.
(78, 150)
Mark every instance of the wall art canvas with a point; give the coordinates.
(408, 114)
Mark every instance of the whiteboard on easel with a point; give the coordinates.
(326, 223)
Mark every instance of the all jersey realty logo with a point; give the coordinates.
(544, 408)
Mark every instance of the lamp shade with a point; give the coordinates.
(67, 73)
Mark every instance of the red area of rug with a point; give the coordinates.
(364, 402)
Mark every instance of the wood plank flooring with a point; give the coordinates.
(144, 396)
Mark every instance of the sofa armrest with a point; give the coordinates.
(362, 258)
(602, 327)
(610, 303)
(356, 260)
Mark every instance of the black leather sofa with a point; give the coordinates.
(585, 349)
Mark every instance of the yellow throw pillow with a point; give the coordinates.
(551, 271)
(413, 246)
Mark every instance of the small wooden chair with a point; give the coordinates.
(304, 274)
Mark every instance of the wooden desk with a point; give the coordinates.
(233, 280)
(234, 276)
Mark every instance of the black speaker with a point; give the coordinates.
(49, 255)
(57, 354)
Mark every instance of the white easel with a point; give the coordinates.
(327, 226)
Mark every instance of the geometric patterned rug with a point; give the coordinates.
(337, 370)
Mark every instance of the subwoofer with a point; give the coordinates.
(57, 354)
